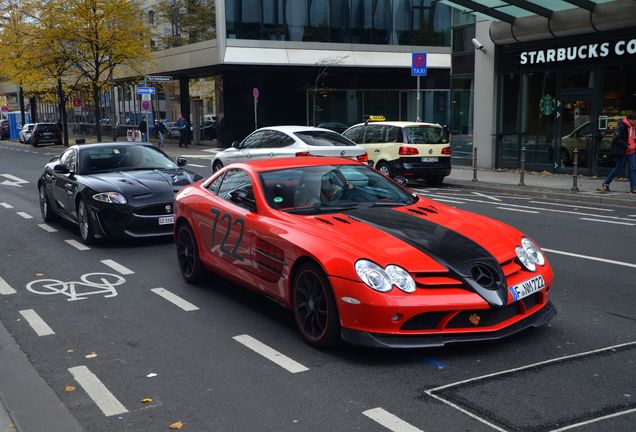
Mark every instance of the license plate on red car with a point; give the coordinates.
(529, 287)
(167, 220)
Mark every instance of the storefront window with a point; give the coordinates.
(461, 127)
(508, 113)
(537, 117)
(577, 80)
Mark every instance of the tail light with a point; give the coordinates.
(447, 150)
(363, 157)
(303, 154)
(408, 151)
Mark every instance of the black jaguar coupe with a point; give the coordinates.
(114, 190)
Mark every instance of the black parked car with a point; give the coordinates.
(113, 189)
(45, 133)
(4, 129)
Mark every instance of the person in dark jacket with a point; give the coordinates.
(161, 132)
(143, 128)
(623, 150)
(184, 130)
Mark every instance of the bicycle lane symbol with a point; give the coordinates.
(89, 284)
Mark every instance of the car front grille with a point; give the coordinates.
(155, 210)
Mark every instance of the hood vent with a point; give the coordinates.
(323, 220)
(428, 209)
(418, 212)
(343, 220)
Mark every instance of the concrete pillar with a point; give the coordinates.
(485, 97)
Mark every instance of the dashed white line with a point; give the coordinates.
(25, 215)
(447, 200)
(47, 228)
(270, 353)
(175, 299)
(118, 267)
(594, 420)
(38, 325)
(591, 258)
(5, 288)
(486, 196)
(572, 206)
(198, 166)
(607, 221)
(390, 421)
(517, 210)
(97, 391)
(77, 245)
(6, 205)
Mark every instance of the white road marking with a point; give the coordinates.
(47, 228)
(5, 205)
(607, 221)
(198, 166)
(5, 288)
(448, 201)
(25, 215)
(627, 215)
(13, 180)
(390, 421)
(97, 391)
(118, 267)
(594, 420)
(270, 353)
(77, 245)
(621, 263)
(38, 325)
(517, 210)
(486, 196)
(572, 206)
(175, 299)
(430, 392)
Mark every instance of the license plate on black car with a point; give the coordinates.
(167, 220)
(429, 159)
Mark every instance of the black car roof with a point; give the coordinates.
(111, 144)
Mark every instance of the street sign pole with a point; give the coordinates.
(418, 69)
(147, 119)
(419, 104)
(255, 94)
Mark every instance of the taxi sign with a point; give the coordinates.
(376, 118)
(418, 64)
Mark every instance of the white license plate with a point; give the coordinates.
(429, 159)
(524, 289)
(166, 220)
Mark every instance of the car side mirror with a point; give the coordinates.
(61, 169)
(241, 198)
(181, 161)
(401, 180)
(236, 144)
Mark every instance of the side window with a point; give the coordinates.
(237, 180)
(374, 134)
(254, 140)
(69, 157)
(391, 134)
(354, 134)
(214, 186)
(279, 139)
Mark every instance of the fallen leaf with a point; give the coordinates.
(90, 355)
(151, 375)
(69, 388)
(146, 400)
(70, 350)
(39, 274)
(176, 425)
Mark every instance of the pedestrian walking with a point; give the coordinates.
(184, 128)
(161, 132)
(623, 150)
(143, 127)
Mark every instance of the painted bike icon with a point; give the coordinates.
(89, 284)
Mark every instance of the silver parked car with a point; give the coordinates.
(289, 141)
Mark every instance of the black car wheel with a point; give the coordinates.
(315, 309)
(385, 169)
(84, 222)
(188, 255)
(45, 206)
(217, 166)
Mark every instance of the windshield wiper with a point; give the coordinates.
(322, 209)
(387, 204)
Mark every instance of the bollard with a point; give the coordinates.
(575, 173)
(522, 171)
(474, 163)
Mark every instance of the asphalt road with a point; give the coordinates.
(136, 361)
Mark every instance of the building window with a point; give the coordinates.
(461, 127)
(151, 18)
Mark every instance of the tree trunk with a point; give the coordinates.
(98, 112)
(62, 102)
(21, 101)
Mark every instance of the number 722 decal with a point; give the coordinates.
(238, 221)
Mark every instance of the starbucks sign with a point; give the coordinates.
(547, 105)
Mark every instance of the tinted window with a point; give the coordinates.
(123, 158)
(214, 186)
(235, 180)
(354, 134)
(374, 134)
(392, 134)
(46, 127)
(323, 138)
(275, 139)
(69, 157)
(425, 135)
(254, 140)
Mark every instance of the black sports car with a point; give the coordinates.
(113, 189)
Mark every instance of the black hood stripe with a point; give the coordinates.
(453, 250)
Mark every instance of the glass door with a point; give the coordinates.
(577, 130)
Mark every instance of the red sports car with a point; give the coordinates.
(356, 256)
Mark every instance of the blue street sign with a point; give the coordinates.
(145, 90)
(418, 64)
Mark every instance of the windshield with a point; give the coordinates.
(123, 158)
(330, 188)
(425, 135)
(323, 138)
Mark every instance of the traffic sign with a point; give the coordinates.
(146, 90)
(158, 78)
(255, 93)
(145, 106)
(418, 64)
(77, 102)
(5, 108)
(146, 97)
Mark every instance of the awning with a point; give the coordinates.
(529, 20)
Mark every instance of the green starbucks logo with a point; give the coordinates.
(547, 105)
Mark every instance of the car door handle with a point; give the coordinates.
(377, 150)
(68, 186)
(271, 154)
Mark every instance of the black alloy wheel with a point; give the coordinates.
(45, 206)
(188, 255)
(217, 166)
(385, 169)
(84, 221)
(315, 309)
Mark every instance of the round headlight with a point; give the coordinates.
(373, 275)
(400, 278)
(525, 259)
(533, 250)
(110, 197)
